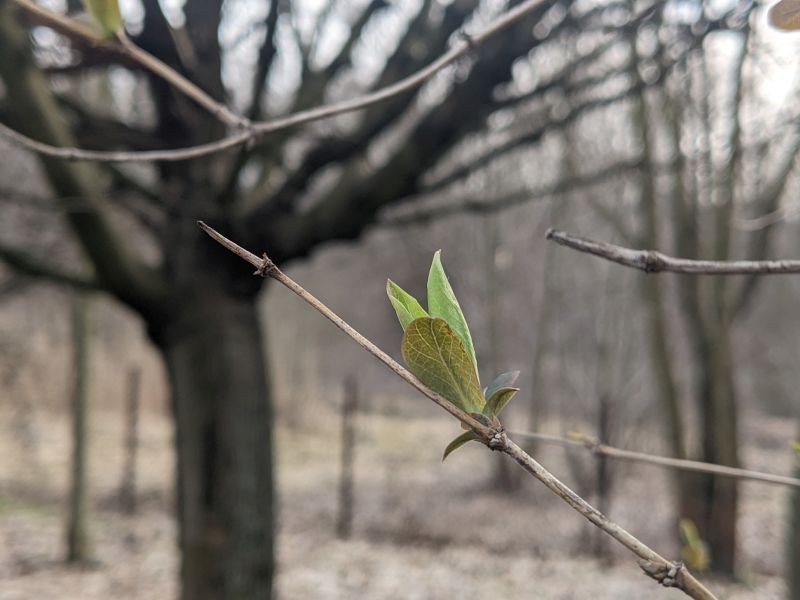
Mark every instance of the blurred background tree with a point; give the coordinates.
(648, 122)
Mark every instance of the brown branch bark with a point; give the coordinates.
(596, 447)
(652, 261)
(667, 573)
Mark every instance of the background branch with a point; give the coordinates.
(652, 261)
(74, 29)
(259, 129)
(596, 447)
(33, 267)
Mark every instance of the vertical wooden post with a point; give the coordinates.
(344, 520)
(602, 473)
(78, 548)
(127, 486)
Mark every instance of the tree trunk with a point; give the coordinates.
(221, 402)
(712, 502)
(78, 547)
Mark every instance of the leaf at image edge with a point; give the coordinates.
(106, 14)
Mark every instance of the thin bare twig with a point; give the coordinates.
(596, 447)
(259, 129)
(667, 573)
(179, 82)
(123, 44)
(264, 266)
(651, 261)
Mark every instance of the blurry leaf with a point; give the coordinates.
(785, 15)
(442, 303)
(436, 355)
(796, 446)
(504, 380)
(465, 437)
(695, 550)
(405, 305)
(106, 14)
(498, 400)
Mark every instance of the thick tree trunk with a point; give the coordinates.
(217, 370)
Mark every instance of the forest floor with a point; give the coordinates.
(422, 529)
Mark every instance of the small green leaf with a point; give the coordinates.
(436, 355)
(405, 305)
(504, 380)
(498, 400)
(106, 14)
(465, 437)
(694, 551)
(796, 446)
(442, 303)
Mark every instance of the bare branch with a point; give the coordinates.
(74, 29)
(180, 83)
(594, 446)
(669, 574)
(478, 205)
(259, 129)
(651, 261)
(28, 265)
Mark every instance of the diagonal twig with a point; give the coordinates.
(122, 43)
(651, 261)
(667, 573)
(256, 130)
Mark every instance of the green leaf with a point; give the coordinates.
(504, 380)
(106, 14)
(694, 551)
(796, 446)
(465, 437)
(442, 303)
(498, 400)
(405, 305)
(436, 355)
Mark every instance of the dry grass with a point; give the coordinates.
(422, 529)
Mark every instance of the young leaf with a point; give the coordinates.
(436, 355)
(785, 15)
(465, 437)
(498, 400)
(106, 14)
(504, 380)
(695, 550)
(405, 305)
(442, 303)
